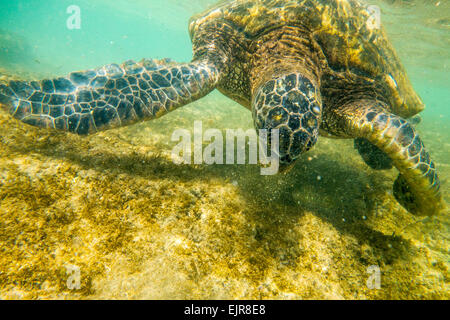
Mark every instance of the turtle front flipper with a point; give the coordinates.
(373, 156)
(111, 96)
(417, 187)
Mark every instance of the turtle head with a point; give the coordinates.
(291, 104)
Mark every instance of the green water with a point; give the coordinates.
(35, 38)
(35, 43)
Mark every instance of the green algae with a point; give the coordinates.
(138, 226)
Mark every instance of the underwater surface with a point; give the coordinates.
(114, 206)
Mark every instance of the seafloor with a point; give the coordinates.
(138, 226)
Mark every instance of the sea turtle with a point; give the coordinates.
(305, 67)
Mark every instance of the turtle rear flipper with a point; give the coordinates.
(417, 187)
(372, 155)
(111, 96)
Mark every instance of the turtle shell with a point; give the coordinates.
(348, 32)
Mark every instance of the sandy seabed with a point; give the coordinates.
(138, 226)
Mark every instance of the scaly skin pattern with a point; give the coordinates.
(417, 187)
(289, 103)
(112, 96)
